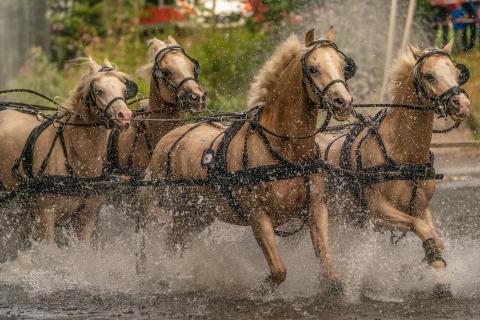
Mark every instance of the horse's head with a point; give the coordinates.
(325, 70)
(175, 75)
(103, 92)
(438, 78)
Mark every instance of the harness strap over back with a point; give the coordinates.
(26, 157)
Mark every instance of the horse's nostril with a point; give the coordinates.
(339, 102)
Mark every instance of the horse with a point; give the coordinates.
(48, 154)
(174, 91)
(277, 133)
(392, 152)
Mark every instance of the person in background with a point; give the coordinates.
(458, 15)
(441, 23)
(471, 14)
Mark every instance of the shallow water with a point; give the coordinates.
(220, 276)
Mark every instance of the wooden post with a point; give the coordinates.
(408, 23)
(388, 58)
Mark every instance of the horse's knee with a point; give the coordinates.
(422, 229)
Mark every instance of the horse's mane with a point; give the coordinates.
(268, 75)
(75, 97)
(401, 73)
(154, 45)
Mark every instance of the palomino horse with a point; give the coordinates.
(66, 146)
(174, 90)
(398, 142)
(280, 132)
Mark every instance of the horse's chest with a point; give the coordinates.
(279, 199)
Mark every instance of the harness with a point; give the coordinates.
(40, 182)
(112, 166)
(225, 182)
(359, 178)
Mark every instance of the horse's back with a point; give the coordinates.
(15, 128)
(181, 151)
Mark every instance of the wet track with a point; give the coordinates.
(219, 276)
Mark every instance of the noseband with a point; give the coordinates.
(442, 101)
(91, 101)
(307, 76)
(158, 74)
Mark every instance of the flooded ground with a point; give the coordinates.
(219, 277)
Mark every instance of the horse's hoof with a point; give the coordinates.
(268, 286)
(335, 288)
(442, 291)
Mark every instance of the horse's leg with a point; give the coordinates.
(395, 219)
(263, 231)
(318, 217)
(47, 224)
(141, 207)
(427, 216)
(87, 218)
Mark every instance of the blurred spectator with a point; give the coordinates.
(458, 15)
(441, 23)
(469, 38)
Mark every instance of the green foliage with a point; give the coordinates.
(278, 9)
(472, 61)
(77, 24)
(229, 59)
(43, 76)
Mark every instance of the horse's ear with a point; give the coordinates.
(309, 36)
(415, 52)
(330, 35)
(156, 44)
(92, 65)
(448, 47)
(172, 41)
(107, 63)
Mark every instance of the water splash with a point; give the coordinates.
(225, 260)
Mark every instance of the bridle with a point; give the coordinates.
(442, 101)
(159, 74)
(349, 72)
(91, 99)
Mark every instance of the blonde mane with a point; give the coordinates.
(268, 75)
(75, 99)
(154, 46)
(401, 73)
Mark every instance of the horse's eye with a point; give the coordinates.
(429, 77)
(166, 72)
(312, 69)
(98, 92)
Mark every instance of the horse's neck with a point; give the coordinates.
(161, 109)
(86, 148)
(288, 113)
(408, 133)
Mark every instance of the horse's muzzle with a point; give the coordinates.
(194, 102)
(459, 106)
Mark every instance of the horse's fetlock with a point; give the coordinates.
(432, 252)
(278, 276)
